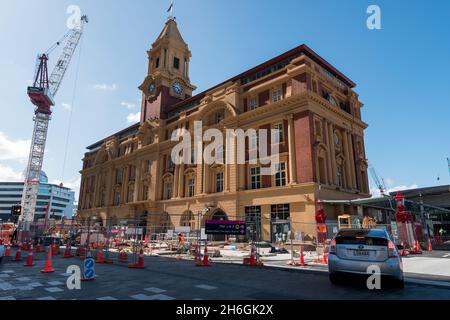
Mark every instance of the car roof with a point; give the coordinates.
(377, 233)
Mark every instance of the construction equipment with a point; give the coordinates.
(379, 182)
(42, 95)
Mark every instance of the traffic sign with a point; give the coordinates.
(89, 269)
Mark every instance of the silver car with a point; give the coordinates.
(353, 251)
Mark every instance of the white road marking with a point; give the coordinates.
(46, 298)
(206, 287)
(141, 297)
(4, 275)
(161, 297)
(25, 288)
(153, 297)
(7, 286)
(446, 255)
(54, 289)
(35, 284)
(155, 290)
(23, 279)
(107, 298)
(55, 283)
(8, 271)
(7, 298)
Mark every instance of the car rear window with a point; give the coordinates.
(368, 241)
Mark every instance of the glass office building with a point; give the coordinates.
(59, 199)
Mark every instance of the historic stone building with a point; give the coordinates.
(309, 102)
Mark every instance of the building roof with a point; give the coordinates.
(425, 191)
(120, 134)
(172, 30)
(288, 54)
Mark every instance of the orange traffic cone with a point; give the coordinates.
(302, 258)
(67, 252)
(8, 251)
(430, 247)
(29, 262)
(324, 257)
(100, 256)
(48, 264)
(140, 264)
(18, 253)
(252, 261)
(403, 253)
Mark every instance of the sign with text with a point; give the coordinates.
(225, 227)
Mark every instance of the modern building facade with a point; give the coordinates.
(311, 106)
(58, 199)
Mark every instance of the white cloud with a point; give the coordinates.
(134, 117)
(105, 87)
(7, 174)
(14, 149)
(128, 105)
(66, 106)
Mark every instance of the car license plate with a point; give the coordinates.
(361, 253)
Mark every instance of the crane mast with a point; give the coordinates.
(41, 95)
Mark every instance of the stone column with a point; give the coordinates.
(348, 168)
(352, 160)
(330, 149)
(175, 181)
(109, 185)
(292, 151)
(181, 182)
(137, 181)
(332, 154)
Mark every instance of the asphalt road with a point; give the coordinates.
(169, 279)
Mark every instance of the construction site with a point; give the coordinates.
(139, 211)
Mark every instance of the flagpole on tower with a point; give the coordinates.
(170, 11)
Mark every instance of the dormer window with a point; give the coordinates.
(252, 103)
(176, 63)
(277, 95)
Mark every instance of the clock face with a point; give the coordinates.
(177, 87)
(152, 88)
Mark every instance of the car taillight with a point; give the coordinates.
(392, 250)
(332, 247)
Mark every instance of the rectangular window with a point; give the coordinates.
(219, 182)
(280, 175)
(279, 133)
(191, 187)
(253, 222)
(176, 63)
(280, 212)
(255, 178)
(157, 63)
(167, 190)
(119, 176)
(169, 163)
(276, 95)
(252, 103)
(117, 197)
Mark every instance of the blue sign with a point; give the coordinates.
(89, 272)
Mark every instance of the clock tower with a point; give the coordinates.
(167, 81)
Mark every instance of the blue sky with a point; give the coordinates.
(402, 71)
